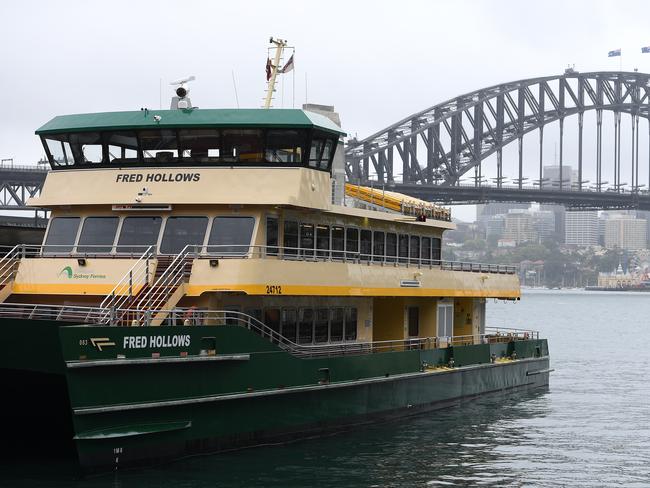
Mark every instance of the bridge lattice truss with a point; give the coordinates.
(18, 184)
(439, 145)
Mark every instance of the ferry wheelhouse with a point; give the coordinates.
(201, 286)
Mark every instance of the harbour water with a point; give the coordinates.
(590, 428)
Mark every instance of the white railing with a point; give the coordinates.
(134, 280)
(190, 317)
(8, 265)
(158, 294)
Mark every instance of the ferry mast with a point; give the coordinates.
(280, 44)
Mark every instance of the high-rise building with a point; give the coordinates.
(581, 228)
(519, 226)
(551, 177)
(626, 232)
(543, 224)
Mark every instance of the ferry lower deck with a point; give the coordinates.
(139, 395)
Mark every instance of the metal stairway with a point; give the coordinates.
(8, 268)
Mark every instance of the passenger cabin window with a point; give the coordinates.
(137, 234)
(182, 231)
(351, 324)
(307, 239)
(391, 247)
(321, 325)
(231, 236)
(97, 235)
(378, 249)
(425, 252)
(289, 324)
(338, 242)
(403, 248)
(351, 242)
(61, 235)
(272, 236)
(305, 326)
(290, 238)
(365, 248)
(436, 245)
(337, 325)
(323, 240)
(415, 249)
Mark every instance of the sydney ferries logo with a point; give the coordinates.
(68, 273)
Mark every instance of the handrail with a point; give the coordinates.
(235, 251)
(243, 251)
(174, 275)
(135, 278)
(8, 265)
(184, 316)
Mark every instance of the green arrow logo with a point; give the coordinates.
(67, 270)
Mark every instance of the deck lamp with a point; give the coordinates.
(214, 263)
(81, 261)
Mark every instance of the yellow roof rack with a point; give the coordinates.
(397, 202)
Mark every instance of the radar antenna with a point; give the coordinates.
(181, 100)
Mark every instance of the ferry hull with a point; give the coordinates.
(142, 409)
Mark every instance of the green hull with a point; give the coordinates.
(209, 388)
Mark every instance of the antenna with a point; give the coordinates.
(234, 84)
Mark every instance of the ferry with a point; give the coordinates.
(204, 285)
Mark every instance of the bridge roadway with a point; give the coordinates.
(585, 199)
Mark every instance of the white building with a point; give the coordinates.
(626, 232)
(581, 228)
(519, 227)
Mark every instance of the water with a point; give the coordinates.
(590, 428)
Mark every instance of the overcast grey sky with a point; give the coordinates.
(375, 61)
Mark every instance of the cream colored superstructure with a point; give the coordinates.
(259, 278)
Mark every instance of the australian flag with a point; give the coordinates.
(614, 53)
(645, 49)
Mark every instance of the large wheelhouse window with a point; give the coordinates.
(210, 146)
(87, 147)
(61, 235)
(159, 146)
(97, 235)
(182, 231)
(137, 234)
(231, 236)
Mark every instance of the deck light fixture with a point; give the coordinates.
(214, 263)
(81, 261)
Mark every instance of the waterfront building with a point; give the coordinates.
(625, 232)
(581, 228)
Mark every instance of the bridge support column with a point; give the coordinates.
(580, 120)
(541, 156)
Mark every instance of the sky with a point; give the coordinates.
(376, 62)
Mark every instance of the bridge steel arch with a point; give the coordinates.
(459, 134)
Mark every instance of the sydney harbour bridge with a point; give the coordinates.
(492, 145)
(453, 152)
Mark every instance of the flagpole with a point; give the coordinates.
(293, 84)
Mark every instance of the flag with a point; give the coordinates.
(269, 66)
(645, 49)
(614, 53)
(287, 67)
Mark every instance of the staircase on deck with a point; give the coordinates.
(8, 268)
(162, 293)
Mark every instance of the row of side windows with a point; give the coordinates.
(310, 325)
(227, 234)
(307, 239)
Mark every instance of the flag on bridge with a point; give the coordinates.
(614, 53)
(645, 49)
